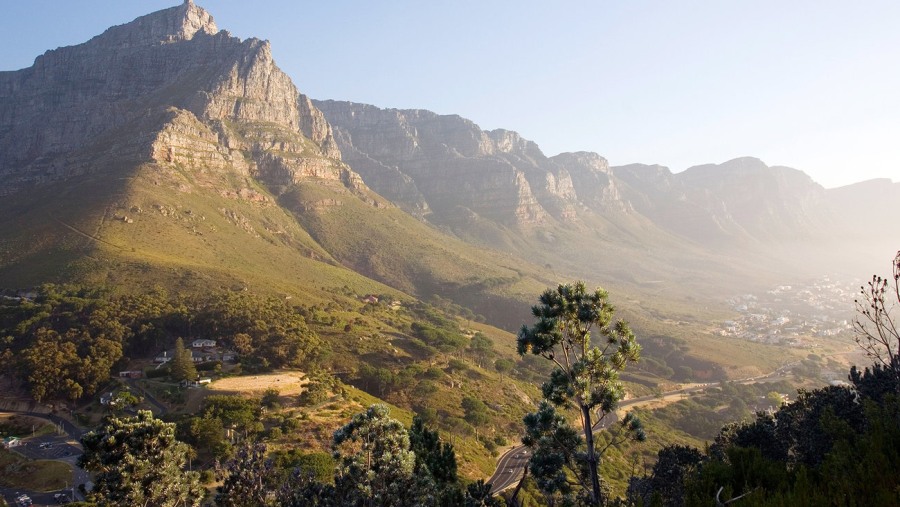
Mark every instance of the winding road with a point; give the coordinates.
(512, 463)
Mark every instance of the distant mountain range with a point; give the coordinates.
(447, 170)
(167, 149)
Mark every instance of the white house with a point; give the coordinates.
(196, 383)
(203, 343)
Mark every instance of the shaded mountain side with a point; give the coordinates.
(776, 217)
(867, 209)
(767, 204)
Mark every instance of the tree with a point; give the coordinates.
(478, 494)
(250, 479)
(504, 366)
(476, 411)
(482, 348)
(182, 363)
(315, 392)
(123, 399)
(234, 411)
(674, 464)
(437, 456)
(585, 377)
(875, 325)
(375, 465)
(774, 398)
(138, 461)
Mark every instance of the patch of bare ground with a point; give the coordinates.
(287, 383)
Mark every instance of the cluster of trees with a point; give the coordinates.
(208, 431)
(376, 462)
(444, 339)
(832, 446)
(669, 357)
(138, 461)
(66, 340)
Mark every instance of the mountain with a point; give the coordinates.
(167, 149)
(168, 88)
(498, 189)
(741, 200)
(168, 152)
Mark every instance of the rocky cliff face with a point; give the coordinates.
(740, 200)
(223, 101)
(445, 166)
(593, 182)
(447, 169)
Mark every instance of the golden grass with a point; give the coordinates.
(288, 383)
(42, 475)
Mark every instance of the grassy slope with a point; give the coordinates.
(183, 233)
(34, 475)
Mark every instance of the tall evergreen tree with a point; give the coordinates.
(137, 461)
(250, 479)
(586, 378)
(375, 464)
(182, 362)
(437, 459)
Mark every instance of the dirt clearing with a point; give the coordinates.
(287, 383)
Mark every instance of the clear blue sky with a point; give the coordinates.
(812, 84)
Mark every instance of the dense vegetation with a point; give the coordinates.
(839, 444)
(377, 461)
(66, 340)
(835, 445)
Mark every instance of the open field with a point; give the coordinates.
(287, 383)
(40, 475)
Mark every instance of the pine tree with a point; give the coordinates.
(586, 378)
(138, 461)
(376, 465)
(182, 363)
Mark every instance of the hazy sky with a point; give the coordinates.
(811, 84)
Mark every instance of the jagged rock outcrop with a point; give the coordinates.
(446, 164)
(448, 170)
(739, 200)
(224, 102)
(448, 167)
(593, 182)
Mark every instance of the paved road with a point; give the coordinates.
(512, 463)
(52, 447)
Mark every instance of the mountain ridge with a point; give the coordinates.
(209, 111)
